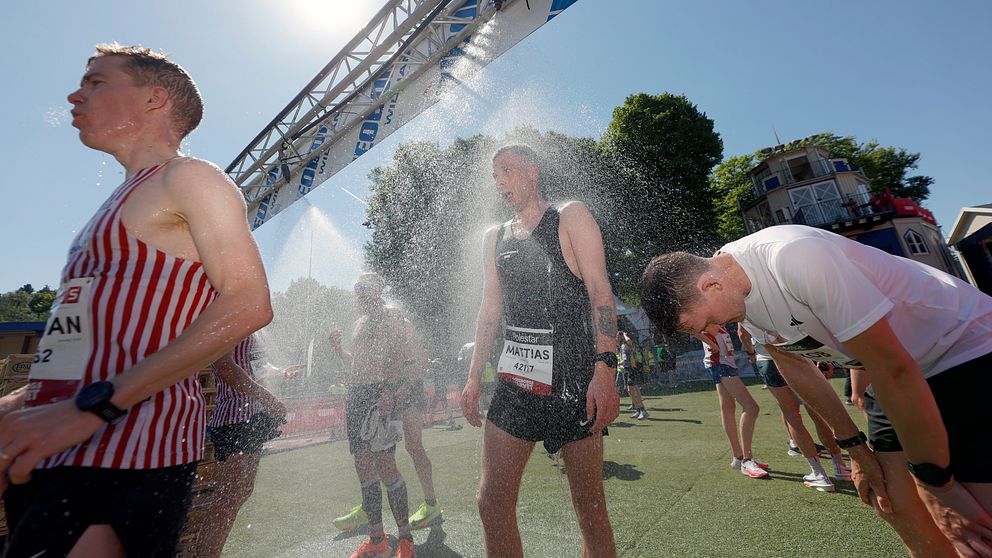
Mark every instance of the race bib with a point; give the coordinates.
(527, 359)
(814, 350)
(65, 347)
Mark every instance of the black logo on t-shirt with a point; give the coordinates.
(794, 322)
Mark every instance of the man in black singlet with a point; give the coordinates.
(545, 278)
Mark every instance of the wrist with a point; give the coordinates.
(850, 442)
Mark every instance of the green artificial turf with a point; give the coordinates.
(669, 489)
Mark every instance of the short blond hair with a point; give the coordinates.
(150, 68)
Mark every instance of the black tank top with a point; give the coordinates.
(541, 292)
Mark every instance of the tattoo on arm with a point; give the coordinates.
(606, 320)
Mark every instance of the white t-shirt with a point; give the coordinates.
(812, 290)
(726, 355)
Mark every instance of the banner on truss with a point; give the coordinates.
(485, 44)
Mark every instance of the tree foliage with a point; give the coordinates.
(665, 148)
(26, 305)
(645, 182)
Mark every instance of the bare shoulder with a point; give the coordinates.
(575, 213)
(188, 175)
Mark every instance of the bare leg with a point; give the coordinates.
(235, 480)
(728, 415)
(749, 415)
(98, 541)
(368, 475)
(584, 466)
(911, 520)
(503, 460)
(413, 441)
(794, 421)
(635, 396)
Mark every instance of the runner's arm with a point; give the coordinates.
(815, 391)
(214, 212)
(13, 401)
(903, 393)
(486, 327)
(586, 241)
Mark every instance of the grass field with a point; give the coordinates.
(669, 492)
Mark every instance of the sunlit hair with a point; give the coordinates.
(521, 151)
(149, 68)
(668, 288)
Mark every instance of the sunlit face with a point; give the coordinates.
(707, 315)
(516, 180)
(107, 105)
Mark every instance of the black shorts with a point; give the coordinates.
(359, 403)
(145, 507)
(415, 397)
(635, 377)
(536, 418)
(244, 437)
(769, 373)
(962, 396)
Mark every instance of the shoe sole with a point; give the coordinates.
(828, 488)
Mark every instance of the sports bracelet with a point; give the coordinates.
(853, 441)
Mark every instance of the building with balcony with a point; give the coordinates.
(805, 185)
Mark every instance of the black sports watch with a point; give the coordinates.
(95, 398)
(853, 441)
(607, 357)
(930, 474)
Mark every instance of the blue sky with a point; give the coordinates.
(907, 73)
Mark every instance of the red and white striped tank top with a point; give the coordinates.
(233, 406)
(135, 300)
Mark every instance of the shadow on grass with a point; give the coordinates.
(620, 471)
(434, 545)
(841, 486)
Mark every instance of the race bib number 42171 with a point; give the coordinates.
(527, 359)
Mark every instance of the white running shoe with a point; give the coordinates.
(751, 469)
(793, 451)
(643, 414)
(819, 482)
(735, 464)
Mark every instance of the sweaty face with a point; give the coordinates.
(516, 180)
(107, 105)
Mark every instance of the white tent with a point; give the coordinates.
(638, 317)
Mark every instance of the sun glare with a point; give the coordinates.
(336, 20)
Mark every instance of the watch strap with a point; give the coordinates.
(853, 441)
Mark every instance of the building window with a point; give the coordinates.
(917, 246)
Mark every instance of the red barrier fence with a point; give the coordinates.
(326, 413)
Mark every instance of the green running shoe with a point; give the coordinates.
(425, 515)
(353, 520)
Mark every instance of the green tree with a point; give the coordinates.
(732, 188)
(664, 148)
(431, 205)
(26, 305)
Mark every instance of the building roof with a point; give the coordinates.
(966, 217)
(8, 327)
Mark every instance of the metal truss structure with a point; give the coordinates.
(413, 33)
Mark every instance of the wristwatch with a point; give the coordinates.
(95, 398)
(607, 357)
(930, 474)
(853, 441)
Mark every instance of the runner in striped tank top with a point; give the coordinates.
(247, 416)
(97, 453)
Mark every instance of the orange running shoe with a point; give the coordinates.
(406, 549)
(369, 549)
